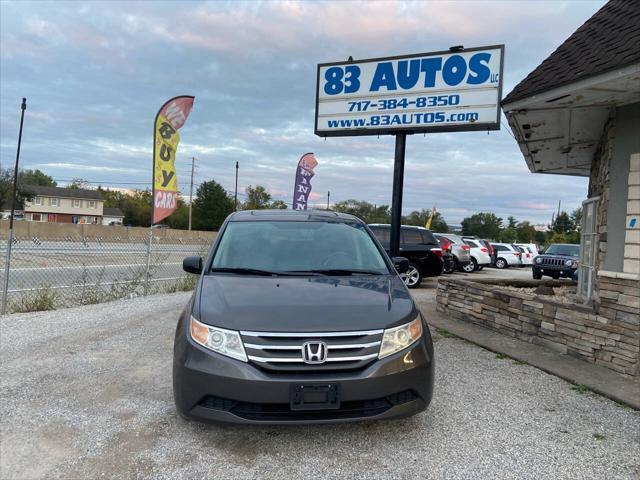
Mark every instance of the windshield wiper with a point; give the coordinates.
(247, 271)
(340, 271)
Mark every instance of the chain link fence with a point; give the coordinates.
(52, 273)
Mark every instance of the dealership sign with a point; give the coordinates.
(431, 92)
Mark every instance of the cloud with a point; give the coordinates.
(85, 168)
(94, 77)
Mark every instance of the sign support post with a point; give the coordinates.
(396, 198)
(453, 90)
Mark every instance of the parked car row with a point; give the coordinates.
(432, 254)
(419, 246)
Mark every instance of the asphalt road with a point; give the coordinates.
(69, 277)
(86, 393)
(64, 267)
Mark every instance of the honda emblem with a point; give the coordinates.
(314, 352)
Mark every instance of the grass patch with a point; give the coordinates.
(520, 362)
(501, 356)
(41, 300)
(581, 389)
(185, 284)
(599, 436)
(444, 333)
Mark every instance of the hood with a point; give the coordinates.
(303, 304)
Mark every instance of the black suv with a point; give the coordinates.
(300, 317)
(417, 244)
(560, 260)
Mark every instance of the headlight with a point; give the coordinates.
(399, 338)
(538, 260)
(226, 342)
(568, 263)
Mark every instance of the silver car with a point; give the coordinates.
(507, 255)
(459, 249)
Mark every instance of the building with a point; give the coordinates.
(578, 113)
(63, 205)
(112, 216)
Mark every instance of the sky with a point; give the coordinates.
(95, 74)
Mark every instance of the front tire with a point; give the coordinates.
(413, 277)
(470, 267)
(537, 275)
(501, 263)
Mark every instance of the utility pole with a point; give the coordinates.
(236, 194)
(193, 161)
(5, 289)
(328, 197)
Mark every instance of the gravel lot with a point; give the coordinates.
(86, 393)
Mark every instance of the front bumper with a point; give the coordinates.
(214, 388)
(555, 271)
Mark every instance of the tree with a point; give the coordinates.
(483, 225)
(366, 211)
(6, 187)
(136, 206)
(525, 232)
(420, 218)
(562, 223)
(278, 204)
(508, 235)
(512, 222)
(257, 198)
(576, 219)
(211, 206)
(25, 178)
(79, 183)
(179, 219)
(35, 177)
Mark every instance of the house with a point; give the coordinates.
(578, 113)
(112, 216)
(63, 205)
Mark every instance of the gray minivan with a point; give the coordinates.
(300, 317)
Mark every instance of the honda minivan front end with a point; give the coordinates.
(300, 317)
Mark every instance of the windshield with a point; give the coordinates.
(286, 246)
(567, 250)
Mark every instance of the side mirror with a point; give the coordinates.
(401, 264)
(192, 265)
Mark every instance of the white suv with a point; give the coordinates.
(479, 256)
(507, 255)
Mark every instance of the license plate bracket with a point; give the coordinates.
(316, 396)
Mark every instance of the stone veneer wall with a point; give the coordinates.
(632, 222)
(610, 337)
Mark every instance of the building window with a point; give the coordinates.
(35, 217)
(77, 203)
(92, 204)
(54, 202)
(37, 201)
(588, 248)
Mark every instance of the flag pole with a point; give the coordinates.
(5, 289)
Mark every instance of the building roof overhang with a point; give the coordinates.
(558, 130)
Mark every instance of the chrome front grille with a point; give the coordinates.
(280, 351)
